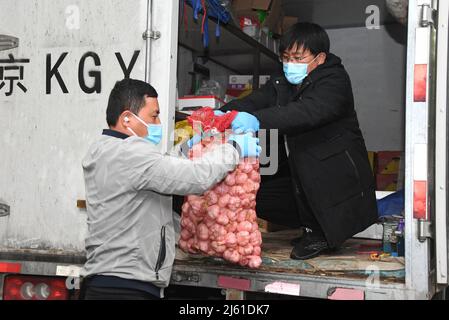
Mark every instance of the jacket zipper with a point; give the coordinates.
(306, 84)
(356, 171)
(302, 88)
(287, 151)
(162, 253)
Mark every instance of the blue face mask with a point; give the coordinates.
(154, 134)
(296, 72)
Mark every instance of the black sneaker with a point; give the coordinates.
(311, 245)
(296, 240)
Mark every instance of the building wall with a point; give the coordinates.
(376, 64)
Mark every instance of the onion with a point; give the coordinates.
(223, 222)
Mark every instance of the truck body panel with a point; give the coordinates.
(48, 121)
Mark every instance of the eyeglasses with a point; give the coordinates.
(295, 59)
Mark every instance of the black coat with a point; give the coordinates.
(327, 154)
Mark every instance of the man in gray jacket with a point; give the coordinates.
(131, 240)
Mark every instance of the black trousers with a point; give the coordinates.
(98, 293)
(276, 202)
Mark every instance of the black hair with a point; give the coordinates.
(309, 36)
(127, 94)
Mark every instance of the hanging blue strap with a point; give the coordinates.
(216, 10)
(217, 29)
(196, 8)
(206, 34)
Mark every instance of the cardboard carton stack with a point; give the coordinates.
(240, 86)
(267, 13)
(387, 173)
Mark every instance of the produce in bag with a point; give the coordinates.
(223, 221)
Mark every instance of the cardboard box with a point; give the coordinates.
(242, 5)
(245, 81)
(188, 104)
(246, 5)
(249, 8)
(274, 19)
(371, 158)
(386, 182)
(232, 94)
(266, 226)
(388, 162)
(261, 4)
(240, 86)
(287, 23)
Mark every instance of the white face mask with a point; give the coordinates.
(154, 134)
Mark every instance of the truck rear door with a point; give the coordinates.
(441, 144)
(58, 62)
(426, 136)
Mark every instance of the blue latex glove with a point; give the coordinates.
(245, 122)
(194, 140)
(218, 113)
(247, 144)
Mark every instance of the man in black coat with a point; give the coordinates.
(324, 182)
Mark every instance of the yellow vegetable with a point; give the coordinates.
(183, 131)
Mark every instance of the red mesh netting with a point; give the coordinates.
(223, 221)
(208, 120)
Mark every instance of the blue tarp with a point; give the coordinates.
(391, 205)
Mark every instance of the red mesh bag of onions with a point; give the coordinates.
(223, 222)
